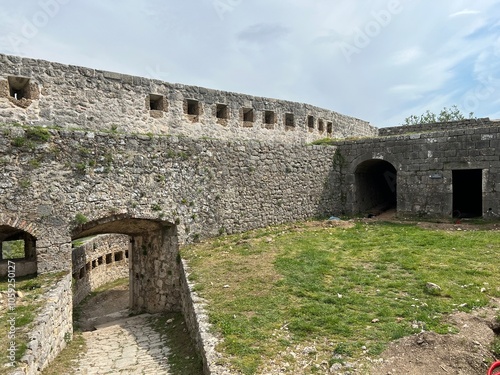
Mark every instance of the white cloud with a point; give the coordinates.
(464, 12)
(406, 56)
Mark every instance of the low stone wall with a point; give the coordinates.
(437, 126)
(53, 328)
(98, 261)
(193, 309)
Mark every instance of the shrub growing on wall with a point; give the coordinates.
(446, 115)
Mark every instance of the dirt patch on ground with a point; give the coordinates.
(104, 307)
(466, 352)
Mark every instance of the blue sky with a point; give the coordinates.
(380, 61)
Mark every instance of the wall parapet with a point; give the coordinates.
(39, 92)
(437, 126)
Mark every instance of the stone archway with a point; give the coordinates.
(154, 277)
(375, 187)
(17, 247)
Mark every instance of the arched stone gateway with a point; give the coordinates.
(17, 246)
(153, 258)
(375, 187)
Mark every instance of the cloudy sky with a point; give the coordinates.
(379, 60)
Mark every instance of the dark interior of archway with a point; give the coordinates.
(376, 189)
(9, 233)
(467, 193)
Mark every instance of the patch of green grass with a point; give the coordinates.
(37, 133)
(323, 142)
(182, 358)
(343, 288)
(18, 141)
(80, 218)
(81, 168)
(25, 183)
(34, 163)
(156, 207)
(65, 361)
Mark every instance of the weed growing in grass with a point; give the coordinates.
(355, 289)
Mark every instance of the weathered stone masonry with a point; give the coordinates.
(132, 156)
(98, 261)
(445, 170)
(158, 190)
(45, 93)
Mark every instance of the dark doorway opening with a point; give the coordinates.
(467, 193)
(376, 187)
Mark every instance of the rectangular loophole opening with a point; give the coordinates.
(19, 87)
(269, 119)
(321, 126)
(329, 127)
(222, 112)
(126, 254)
(88, 267)
(192, 107)
(248, 114)
(289, 121)
(100, 261)
(156, 102)
(109, 258)
(310, 123)
(467, 193)
(118, 256)
(94, 264)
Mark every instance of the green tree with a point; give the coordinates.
(13, 249)
(446, 115)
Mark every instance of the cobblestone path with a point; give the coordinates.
(126, 346)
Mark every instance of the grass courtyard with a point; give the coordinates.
(336, 293)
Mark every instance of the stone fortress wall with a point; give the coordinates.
(202, 187)
(44, 93)
(166, 164)
(441, 170)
